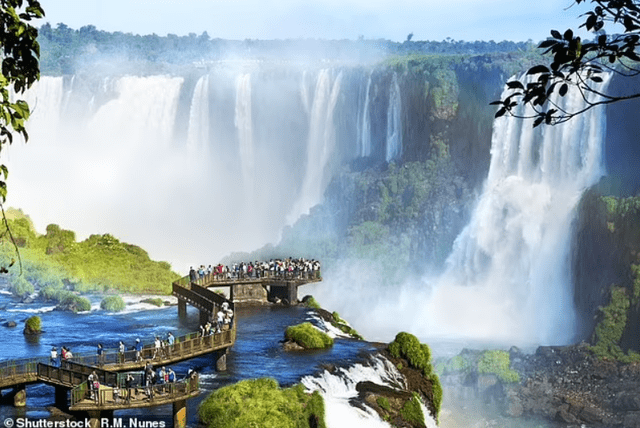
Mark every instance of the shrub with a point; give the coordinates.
(412, 412)
(498, 363)
(383, 402)
(307, 336)
(112, 304)
(418, 354)
(72, 302)
(33, 324)
(21, 287)
(262, 403)
(157, 301)
(312, 303)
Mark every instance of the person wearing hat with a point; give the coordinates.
(54, 356)
(138, 350)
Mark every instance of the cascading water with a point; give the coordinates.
(320, 144)
(198, 133)
(364, 123)
(394, 121)
(244, 125)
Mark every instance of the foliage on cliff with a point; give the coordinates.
(418, 355)
(609, 331)
(307, 336)
(261, 402)
(55, 261)
(499, 363)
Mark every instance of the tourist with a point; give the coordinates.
(157, 345)
(90, 384)
(172, 375)
(100, 354)
(128, 383)
(54, 357)
(138, 350)
(121, 350)
(220, 321)
(170, 341)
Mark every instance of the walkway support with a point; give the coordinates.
(182, 308)
(20, 395)
(180, 414)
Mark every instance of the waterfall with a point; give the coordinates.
(244, 125)
(508, 276)
(198, 132)
(320, 143)
(364, 123)
(394, 120)
(338, 387)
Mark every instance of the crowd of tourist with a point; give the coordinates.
(289, 268)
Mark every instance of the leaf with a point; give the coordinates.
(568, 35)
(495, 103)
(538, 121)
(515, 84)
(596, 79)
(556, 34)
(500, 112)
(547, 43)
(538, 69)
(563, 90)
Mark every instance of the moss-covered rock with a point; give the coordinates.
(308, 336)
(74, 303)
(262, 403)
(406, 347)
(499, 363)
(156, 301)
(112, 304)
(33, 325)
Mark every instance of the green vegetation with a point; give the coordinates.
(307, 336)
(609, 330)
(312, 303)
(383, 402)
(412, 412)
(99, 263)
(418, 355)
(262, 403)
(498, 363)
(344, 326)
(75, 303)
(157, 301)
(112, 304)
(33, 325)
(457, 364)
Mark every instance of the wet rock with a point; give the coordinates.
(627, 401)
(10, 324)
(290, 345)
(631, 420)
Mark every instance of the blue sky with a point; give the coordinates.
(497, 20)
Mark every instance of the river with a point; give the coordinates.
(256, 353)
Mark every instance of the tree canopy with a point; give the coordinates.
(579, 64)
(20, 69)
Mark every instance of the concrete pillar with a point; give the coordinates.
(292, 293)
(221, 360)
(182, 308)
(61, 398)
(20, 395)
(180, 414)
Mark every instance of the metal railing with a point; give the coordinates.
(211, 278)
(118, 394)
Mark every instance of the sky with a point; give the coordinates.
(469, 20)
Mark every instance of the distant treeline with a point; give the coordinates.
(64, 50)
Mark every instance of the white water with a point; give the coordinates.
(364, 123)
(337, 388)
(507, 280)
(394, 120)
(198, 133)
(320, 144)
(190, 173)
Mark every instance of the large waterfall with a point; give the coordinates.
(507, 280)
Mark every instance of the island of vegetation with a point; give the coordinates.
(59, 268)
(306, 336)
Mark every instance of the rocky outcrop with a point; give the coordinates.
(569, 385)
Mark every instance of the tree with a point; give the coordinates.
(579, 64)
(20, 69)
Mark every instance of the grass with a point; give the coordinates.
(262, 403)
(307, 336)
